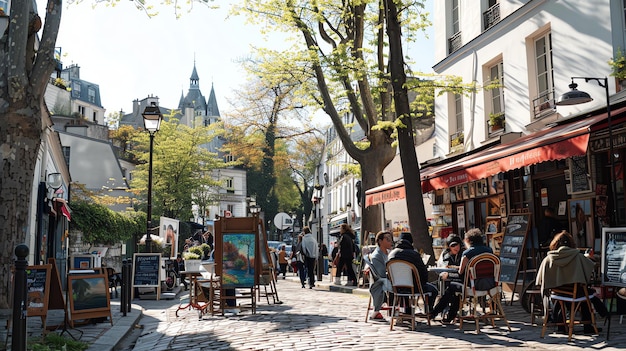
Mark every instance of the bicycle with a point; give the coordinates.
(170, 273)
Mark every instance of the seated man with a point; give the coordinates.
(405, 251)
(475, 246)
(378, 270)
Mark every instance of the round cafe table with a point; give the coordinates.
(440, 282)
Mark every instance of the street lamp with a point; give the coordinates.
(575, 97)
(152, 118)
(320, 259)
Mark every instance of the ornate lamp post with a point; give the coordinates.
(152, 118)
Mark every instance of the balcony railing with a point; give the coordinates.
(491, 16)
(454, 42)
(544, 104)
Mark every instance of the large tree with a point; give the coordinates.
(180, 166)
(24, 75)
(265, 127)
(343, 62)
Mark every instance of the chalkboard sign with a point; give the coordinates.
(579, 175)
(146, 269)
(513, 245)
(38, 290)
(614, 256)
(89, 296)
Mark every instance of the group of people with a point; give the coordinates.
(563, 265)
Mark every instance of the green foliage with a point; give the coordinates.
(618, 65)
(55, 342)
(181, 167)
(100, 225)
(206, 250)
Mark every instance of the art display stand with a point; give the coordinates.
(237, 267)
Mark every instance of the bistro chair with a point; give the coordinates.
(404, 278)
(373, 277)
(482, 282)
(570, 298)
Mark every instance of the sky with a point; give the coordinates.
(131, 56)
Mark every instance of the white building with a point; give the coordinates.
(543, 155)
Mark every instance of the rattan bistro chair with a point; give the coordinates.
(402, 275)
(480, 269)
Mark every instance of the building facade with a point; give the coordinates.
(509, 145)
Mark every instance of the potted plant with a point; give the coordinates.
(496, 120)
(458, 140)
(206, 251)
(192, 260)
(618, 66)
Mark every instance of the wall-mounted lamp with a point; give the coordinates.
(54, 181)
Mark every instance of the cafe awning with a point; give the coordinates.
(384, 193)
(556, 143)
(551, 144)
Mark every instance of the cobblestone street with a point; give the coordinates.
(319, 319)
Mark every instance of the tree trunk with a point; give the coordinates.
(23, 79)
(408, 156)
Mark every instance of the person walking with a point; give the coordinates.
(310, 251)
(346, 253)
(324, 254)
(299, 256)
(282, 260)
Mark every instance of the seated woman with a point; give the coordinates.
(378, 269)
(563, 265)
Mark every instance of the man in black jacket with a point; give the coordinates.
(404, 251)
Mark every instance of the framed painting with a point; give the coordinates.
(238, 259)
(492, 226)
(581, 222)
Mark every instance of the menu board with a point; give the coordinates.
(579, 175)
(38, 288)
(513, 245)
(146, 269)
(614, 256)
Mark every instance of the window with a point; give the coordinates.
(4, 5)
(66, 155)
(457, 138)
(95, 116)
(544, 103)
(454, 41)
(81, 111)
(229, 184)
(91, 95)
(76, 90)
(495, 106)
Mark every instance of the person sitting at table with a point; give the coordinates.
(564, 265)
(450, 258)
(378, 269)
(405, 251)
(475, 246)
(179, 266)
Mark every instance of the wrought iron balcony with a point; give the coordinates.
(491, 16)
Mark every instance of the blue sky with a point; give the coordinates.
(131, 56)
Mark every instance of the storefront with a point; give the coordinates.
(563, 167)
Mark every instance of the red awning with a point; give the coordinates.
(555, 143)
(384, 193)
(65, 209)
